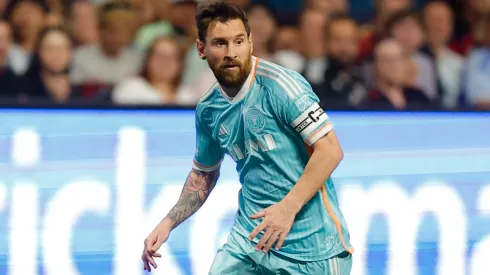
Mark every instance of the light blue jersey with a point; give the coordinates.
(268, 128)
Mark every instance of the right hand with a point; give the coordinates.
(152, 244)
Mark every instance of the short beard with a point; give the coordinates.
(233, 79)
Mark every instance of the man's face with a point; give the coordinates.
(228, 51)
(391, 63)
(343, 41)
(410, 34)
(439, 21)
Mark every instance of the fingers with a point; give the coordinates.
(158, 243)
(279, 244)
(146, 265)
(256, 231)
(263, 240)
(258, 215)
(274, 237)
(151, 260)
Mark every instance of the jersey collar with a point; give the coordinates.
(246, 86)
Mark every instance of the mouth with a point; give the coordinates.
(231, 67)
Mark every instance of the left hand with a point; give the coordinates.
(278, 219)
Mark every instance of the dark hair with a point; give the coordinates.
(401, 16)
(221, 11)
(35, 65)
(105, 9)
(145, 73)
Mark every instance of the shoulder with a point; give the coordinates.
(207, 99)
(280, 81)
(87, 50)
(134, 82)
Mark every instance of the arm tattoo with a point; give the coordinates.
(196, 190)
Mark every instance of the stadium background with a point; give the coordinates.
(83, 179)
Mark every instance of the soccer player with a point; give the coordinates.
(268, 120)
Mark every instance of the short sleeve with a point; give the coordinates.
(298, 106)
(208, 154)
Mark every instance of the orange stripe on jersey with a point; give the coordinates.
(330, 210)
(254, 71)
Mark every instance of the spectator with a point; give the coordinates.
(285, 39)
(406, 27)
(262, 26)
(390, 91)
(159, 81)
(27, 18)
(48, 78)
(329, 7)
(8, 80)
(473, 10)
(477, 71)
(438, 19)
(312, 51)
(112, 60)
(160, 27)
(83, 22)
(384, 10)
(338, 84)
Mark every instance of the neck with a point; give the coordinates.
(436, 48)
(231, 91)
(109, 53)
(28, 45)
(162, 86)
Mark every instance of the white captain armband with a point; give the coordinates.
(312, 124)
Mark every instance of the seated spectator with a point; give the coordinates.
(27, 18)
(83, 22)
(112, 60)
(384, 9)
(160, 27)
(48, 80)
(477, 72)
(390, 91)
(406, 27)
(312, 46)
(438, 18)
(158, 84)
(337, 82)
(262, 26)
(329, 7)
(8, 80)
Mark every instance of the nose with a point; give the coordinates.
(230, 53)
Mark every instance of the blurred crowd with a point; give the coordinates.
(410, 55)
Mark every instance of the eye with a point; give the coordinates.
(239, 41)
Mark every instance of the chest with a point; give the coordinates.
(246, 129)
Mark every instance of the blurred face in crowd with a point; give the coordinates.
(438, 19)
(262, 24)
(84, 22)
(286, 39)
(390, 63)
(328, 7)
(484, 27)
(117, 31)
(228, 50)
(5, 42)
(164, 63)
(28, 19)
(343, 41)
(386, 8)
(55, 52)
(312, 29)
(183, 15)
(409, 33)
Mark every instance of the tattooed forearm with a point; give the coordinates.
(195, 192)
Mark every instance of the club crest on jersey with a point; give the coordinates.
(254, 119)
(303, 103)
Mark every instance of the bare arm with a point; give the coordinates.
(196, 190)
(326, 156)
